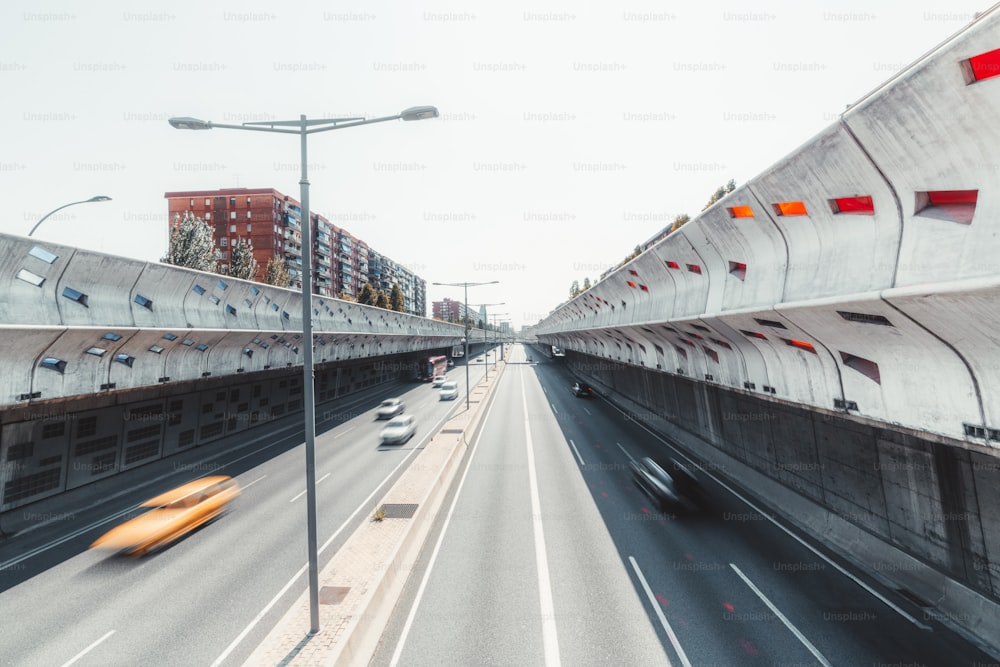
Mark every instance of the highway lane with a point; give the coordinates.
(707, 567)
(525, 574)
(187, 604)
(723, 587)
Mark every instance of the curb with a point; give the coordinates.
(360, 585)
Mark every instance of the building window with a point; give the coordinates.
(232, 201)
(248, 228)
(248, 215)
(208, 216)
(232, 216)
(224, 242)
(192, 204)
(232, 228)
(208, 202)
(248, 201)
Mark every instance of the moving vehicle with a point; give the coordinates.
(398, 430)
(458, 351)
(175, 514)
(672, 486)
(582, 390)
(449, 391)
(389, 408)
(557, 352)
(438, 380)
(428, 367)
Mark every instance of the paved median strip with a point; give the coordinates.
(365, 576)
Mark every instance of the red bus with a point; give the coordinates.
(428, 367)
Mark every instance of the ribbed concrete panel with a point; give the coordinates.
(72, 369)
(94, 290)
(890, 366)
(29, 295)
(929, 129)
(690, 278)
(753, 242)
(965, 316)
(22, 350)
(724, 364)
(831, 253)
(162, 289)
(754, 370)
(803, 376)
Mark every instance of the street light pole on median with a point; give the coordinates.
(466, 317)
(303, 128)
(85, 201)
(486, 339)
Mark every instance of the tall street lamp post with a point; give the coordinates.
(85, 201)
(304, 128)
(496, 331)
(466, 317)
(486, 332)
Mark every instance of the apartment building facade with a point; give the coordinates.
(272, 222)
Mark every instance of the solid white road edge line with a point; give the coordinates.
(550, 636)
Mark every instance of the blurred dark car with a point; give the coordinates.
(671, 485)
(582, 390)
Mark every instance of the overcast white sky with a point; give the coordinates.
(568, 133)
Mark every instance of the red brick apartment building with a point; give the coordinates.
(272, 221)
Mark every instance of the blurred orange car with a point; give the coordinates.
(176, 513)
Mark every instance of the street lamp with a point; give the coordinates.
(496, 331)
(486, 330)
(466, 317)
(304, 128)
(85, 201)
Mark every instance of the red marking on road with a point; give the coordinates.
(662, 600)
(748, 647)
(597, 446)
(689, 556)
(604, 493)
(729, 607)
(645, 510)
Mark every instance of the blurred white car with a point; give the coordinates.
(438, 380)
(398, 430)
(449, 391)
(389, 408)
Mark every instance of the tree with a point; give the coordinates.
(191, 243)
(574, 289)
(396, 301)
(367, 295)
(635, 253)
(586, 284)
(720, 192)
(242, 263)
(382, 301)
(679, 221)
(276, 273)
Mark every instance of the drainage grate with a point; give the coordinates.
(453, 430)
(333, 594)
(399, 510)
